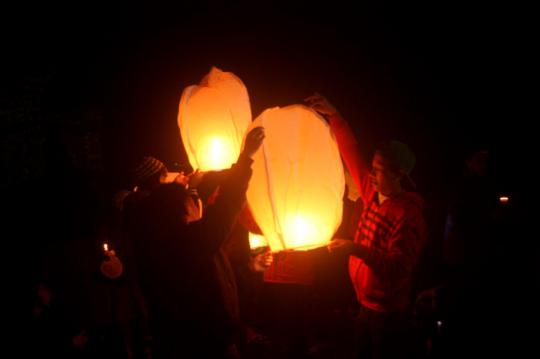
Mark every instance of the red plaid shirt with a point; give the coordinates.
(389, 236)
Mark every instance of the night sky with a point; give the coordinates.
(95, 87)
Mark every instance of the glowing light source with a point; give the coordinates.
(296, 190)
(257, 241)
(217, 152)
(213, 118)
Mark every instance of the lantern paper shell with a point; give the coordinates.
(296, 190)
(213, 117)
(257, 241)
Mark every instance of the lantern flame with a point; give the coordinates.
(301, 230)
(504, 199)
(298, 230)
(105, 247)
(216, 153)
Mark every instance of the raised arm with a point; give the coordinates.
(348, 146)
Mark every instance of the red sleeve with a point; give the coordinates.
(404, 248)
(348, 147)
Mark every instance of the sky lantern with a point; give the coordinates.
(296, 190)
(213, 117)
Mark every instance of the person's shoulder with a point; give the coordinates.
(410, 200)
(408, 205)
(135, 198)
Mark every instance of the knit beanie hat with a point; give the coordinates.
(148, 167)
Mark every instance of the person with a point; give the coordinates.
(189, 291)
(248, 265)
(388, 240)
(147, 175)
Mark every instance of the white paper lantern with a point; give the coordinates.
(213, 117)
(296, 190)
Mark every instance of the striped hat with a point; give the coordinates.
(148, 167)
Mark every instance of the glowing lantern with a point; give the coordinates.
(213, 117)
(296, 190)
(257, 241)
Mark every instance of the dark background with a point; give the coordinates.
(87, 89)
(99, 85)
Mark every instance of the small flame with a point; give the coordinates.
(504, 199)
(299, 230)
(105, 247)
(217, 153)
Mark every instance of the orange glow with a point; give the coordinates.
(257, 241)
(300, 230)
(213, 118)
(171, 176)
(105, 247)
(217, 152)
(296, 190)
(504, 199)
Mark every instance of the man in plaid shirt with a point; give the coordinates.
(388, 240)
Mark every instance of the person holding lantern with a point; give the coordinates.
(391, 233)
(177, 254)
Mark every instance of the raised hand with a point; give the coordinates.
(320, 104)
(254, 141)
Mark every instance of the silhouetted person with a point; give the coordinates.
(181, 266)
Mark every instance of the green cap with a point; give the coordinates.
(398, 154)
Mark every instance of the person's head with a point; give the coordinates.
(391, 165)
(149, 173)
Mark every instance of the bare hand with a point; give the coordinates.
(181, 179)
(261, 262)
(321, 105)
(195, 178)
(345, 246)
(253, 141)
